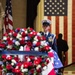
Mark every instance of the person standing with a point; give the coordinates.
(62, 49)
(51, 39)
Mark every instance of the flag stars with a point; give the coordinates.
(60, 0)
(60, 10)
(50, 0)
(47, 12)
(50, 5)
(47, 8)
(60, 5)
(57, 3)
(63, 3)
(50, 10)
(45, 0)
(55, 0)
(55, 10)
(55, 7)
(47, 3)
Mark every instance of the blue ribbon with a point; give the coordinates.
(35, 53)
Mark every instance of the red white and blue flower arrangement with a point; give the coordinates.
(24, 39)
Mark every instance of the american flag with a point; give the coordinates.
(65, 25)
(8, 20)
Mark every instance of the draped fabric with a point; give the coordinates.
(31, 12)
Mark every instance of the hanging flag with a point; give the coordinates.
(64, 24)
(8, 20)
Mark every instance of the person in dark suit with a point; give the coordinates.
(62, 49)
(62, 46)
(50, 38)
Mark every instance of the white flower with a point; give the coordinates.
(25, 70)
(13, 61)
(28, 59)
(9, 46)
(5, 38)
(26, 38)
(45, 67)
(35, 38)
(26, 32)
(22, 66)
(34, 43)
(18, 36)
(12, 64)
(36, 49)
(17, 43)
(39, 66)
(17, 67)
(38, 34)
(10, 34)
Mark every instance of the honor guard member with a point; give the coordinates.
(50, 38)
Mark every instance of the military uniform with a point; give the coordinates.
(50, 38)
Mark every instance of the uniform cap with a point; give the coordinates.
(46, 22)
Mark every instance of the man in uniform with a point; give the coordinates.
(51, 39)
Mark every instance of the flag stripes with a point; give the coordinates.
(8, 20)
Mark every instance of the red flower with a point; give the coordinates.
(26, 64)
(39, 38)
(43, 64)
(16, 59)
(39, 70)
(3, 56)
(14, 34)
(38, 44)
(36, 62)
(22, 42)
(34, 33)
(23, 34)
(29, 43)
(9, 58)
(50, 54)
(46, 48)
(17, 70)
(10, 42)
(8, 67)
(2, 45)
(19, 64)
(1, 67)
(30, 35)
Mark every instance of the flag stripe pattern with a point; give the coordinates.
(8, 20)
(66, 26)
